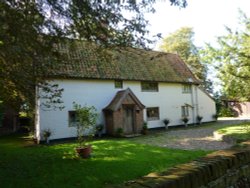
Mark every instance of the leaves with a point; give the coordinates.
(86, 117)
(232, 60)
(30, 31)
(181, 42)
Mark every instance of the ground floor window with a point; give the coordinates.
(72, 118)
(153, 113)
(184, 111)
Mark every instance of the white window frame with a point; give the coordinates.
(157, 117)
(186, 88)
(120, 82)
(71, 122)
(185, 111)
(156, 89)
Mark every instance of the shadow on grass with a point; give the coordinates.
(235, 133)
(113, 162)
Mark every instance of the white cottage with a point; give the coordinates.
(160, 86)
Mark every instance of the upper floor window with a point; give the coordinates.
(153, 113)
(186, 88)
(149, 86)
(118, 84)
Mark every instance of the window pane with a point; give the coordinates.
(118, 83)
(149, 86)
(153, 113)
(186, 88)
(72, 118)
(184, 111)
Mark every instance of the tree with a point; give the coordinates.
(30, 30)
(181, 42)
(232, 60)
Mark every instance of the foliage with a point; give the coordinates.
(27, 54)
(46, 133)
(199, 118)
(226, 112)
(232, 60)
(185, 119)
(215, 116)
(86, 120)
(56, 166)
(166, 121)
(99, 127)
(145, 125)
(1, 112)
(119, 132)
(239, 132)
(181, 42)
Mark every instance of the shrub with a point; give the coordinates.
(185, 119)
(145, 126)
(46, 133)
(215, 116)
(166, 121)
(86, 119)
(226, 112)
(119, 132)
(199, 118)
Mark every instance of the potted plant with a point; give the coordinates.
(215, 116)
(46, 133)
(119, 132)
(99, 129)
(145, 128)
(86, 117)
(199, 118)
(185, 120)
(166, 122)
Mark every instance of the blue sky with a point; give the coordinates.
(207, 17)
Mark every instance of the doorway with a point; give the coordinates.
(128, 119)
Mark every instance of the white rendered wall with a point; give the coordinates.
(207, 106)
(98, 93)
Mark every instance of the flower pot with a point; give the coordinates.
(84, 151)
(144, 131)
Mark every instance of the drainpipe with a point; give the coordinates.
(192, 102)
(196, 101)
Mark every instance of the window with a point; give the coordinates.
(186, 88)
(72, 118)
(184, 111)
(149, 86)
(153, 113)
(118, 83)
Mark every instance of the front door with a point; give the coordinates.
(128, 119)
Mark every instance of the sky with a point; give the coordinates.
(208, 18)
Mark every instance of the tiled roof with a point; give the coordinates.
(83, 61)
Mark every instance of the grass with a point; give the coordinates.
(240, 132)
(113, 162)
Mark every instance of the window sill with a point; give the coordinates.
(153, 119)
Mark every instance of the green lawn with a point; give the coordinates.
(113, 162)
(240, 132)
